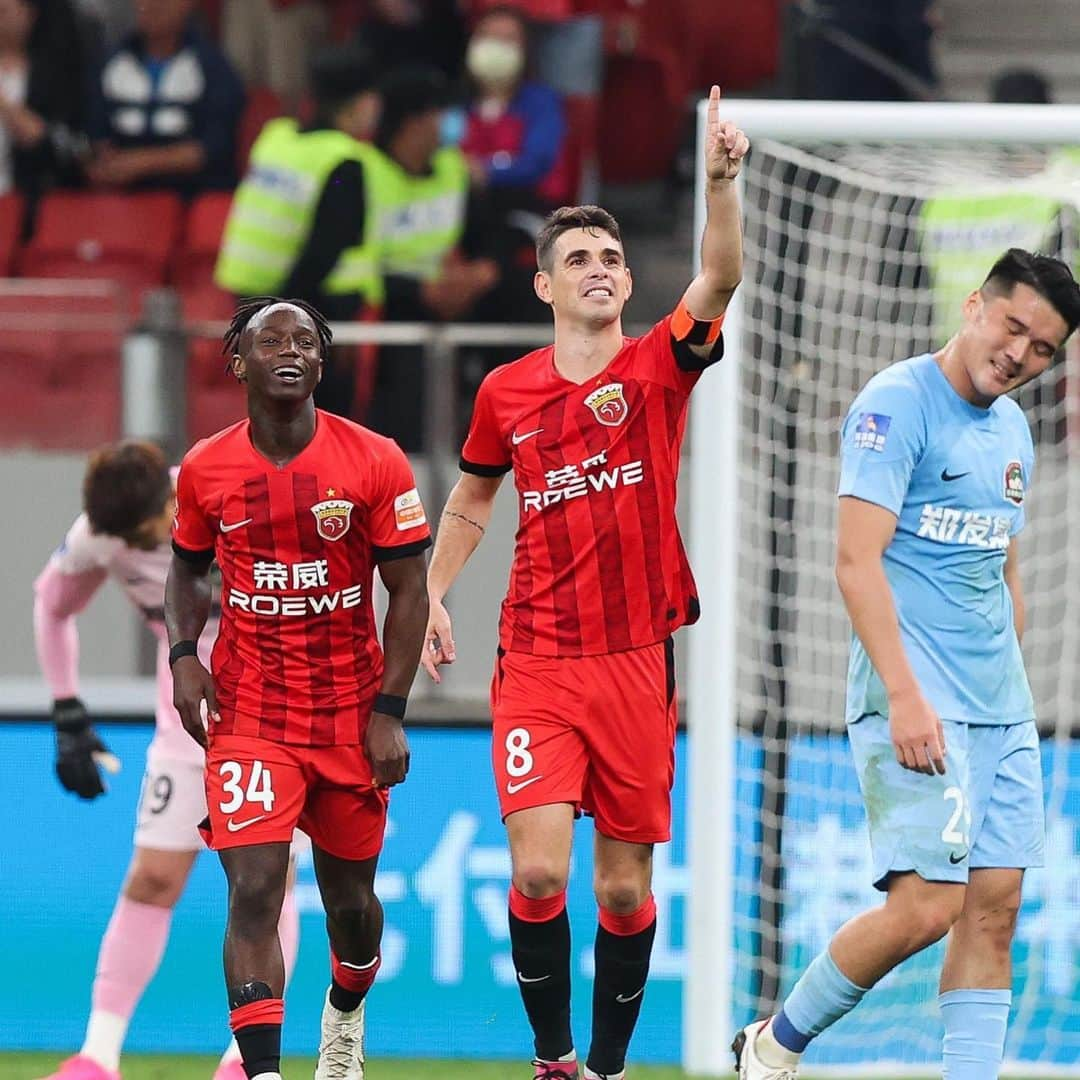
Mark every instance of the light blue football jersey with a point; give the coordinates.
(956, 477)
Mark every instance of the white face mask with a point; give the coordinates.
(492, 60)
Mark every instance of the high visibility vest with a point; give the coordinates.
(274, 208)
(963, 232)
(417, 219)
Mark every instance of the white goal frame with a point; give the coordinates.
(714, 446)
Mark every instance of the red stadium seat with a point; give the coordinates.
(213, 399)
(193, 267)
(579, 150)
(11, 221)
(62, 348)
(119, 237)
(648, 82)
(262, 105)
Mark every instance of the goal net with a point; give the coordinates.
(859, 252)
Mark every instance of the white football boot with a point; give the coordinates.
(341, 1047)
(748, 1066)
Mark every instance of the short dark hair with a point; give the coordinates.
(408, 92)
(248, 308)
(571, 217)
(126, 484)
(1049, 277)
(1020, 86)
(337, 74)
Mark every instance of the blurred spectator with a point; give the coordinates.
(41, 90)
(433, 240)
(165, 108)
(567, 40)
(1020, 86)
(852, 50)
(515, 129)
(424, 33)
(270, 42)
(299, 223)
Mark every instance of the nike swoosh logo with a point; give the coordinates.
(626, 1000)
(513, 789)
(516, 438)
(956, 859)
(539, 978)
(947, 476)
(236, 826)
(237, 525)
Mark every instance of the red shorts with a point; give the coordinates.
(596, 731)
(258, 792)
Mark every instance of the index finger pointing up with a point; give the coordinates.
(714, 109)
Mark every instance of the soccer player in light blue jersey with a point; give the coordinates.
(935, 465)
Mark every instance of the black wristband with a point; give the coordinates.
(182, 648)
(390, 704)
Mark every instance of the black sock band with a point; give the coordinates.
(541, 952)
(260, 1048)
(345, 1000)
(622, 966)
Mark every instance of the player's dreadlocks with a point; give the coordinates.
(247, 309)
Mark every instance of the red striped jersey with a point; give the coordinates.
(297, 659)
(599, 565)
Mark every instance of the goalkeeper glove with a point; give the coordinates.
(77, 745)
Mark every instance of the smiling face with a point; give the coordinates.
(279, 355)
(1007, 340)
(588, 280)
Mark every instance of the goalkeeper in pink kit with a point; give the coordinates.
(123, 534)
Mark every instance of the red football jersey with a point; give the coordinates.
(599, 565)
(297, 659)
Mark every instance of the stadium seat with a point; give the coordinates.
(193, 266)
(647, 81)
(126, 238)
(579, 150)
(62, 349)
(213, 398)
(735, 45)
(11, 221)
(262, 105)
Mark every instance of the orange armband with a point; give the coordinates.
(684, 327)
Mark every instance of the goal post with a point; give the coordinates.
(865, 226)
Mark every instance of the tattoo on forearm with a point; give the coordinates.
(462, 517)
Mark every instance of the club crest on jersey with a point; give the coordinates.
(608, 404)
(1014, 482)
(332, 518)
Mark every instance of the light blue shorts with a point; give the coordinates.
(986, 811)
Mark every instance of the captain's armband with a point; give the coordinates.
(685, 328)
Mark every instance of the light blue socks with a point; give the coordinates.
(975, 1023)
(820, 998)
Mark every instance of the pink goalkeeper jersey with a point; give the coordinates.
(72, 576)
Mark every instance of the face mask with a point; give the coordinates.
(493, 60)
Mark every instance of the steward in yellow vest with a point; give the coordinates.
(301, 224)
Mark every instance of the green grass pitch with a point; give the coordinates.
(152, 1067)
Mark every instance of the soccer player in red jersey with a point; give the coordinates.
(583, 695)
(305, 710)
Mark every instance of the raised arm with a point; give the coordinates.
(402, 637)
(461, 527)
(707, 296)
(187, 607)
(864, 531)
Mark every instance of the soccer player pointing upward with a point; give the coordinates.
(298, 507)
(935, 466)
(583, 695)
